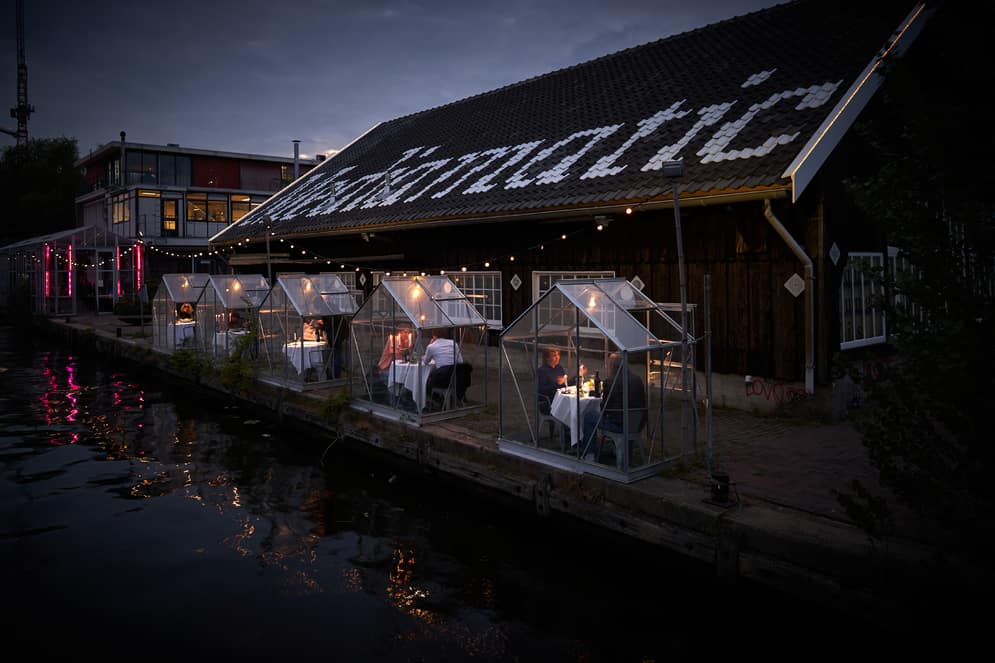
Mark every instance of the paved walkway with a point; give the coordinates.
(779, 461)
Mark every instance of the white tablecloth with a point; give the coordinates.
(407, 375)
(224, 342)
(299, 354)
(182, 331)
(564, 409)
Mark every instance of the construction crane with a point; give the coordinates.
(23, 108)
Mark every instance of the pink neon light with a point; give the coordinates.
(138, 266)
(69, 270)
(48, 254)
(118, 270)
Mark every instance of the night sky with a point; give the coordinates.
(251, 76)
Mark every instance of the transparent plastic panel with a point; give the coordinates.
(185, 287)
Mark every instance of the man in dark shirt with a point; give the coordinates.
(550, 376)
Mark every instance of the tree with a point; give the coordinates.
(38, 184)
(922, 421)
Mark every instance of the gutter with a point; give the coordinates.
(799, 252)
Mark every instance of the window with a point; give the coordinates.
(169, 206)
(543, 281)
(349, 279)
(196, 207)
(240, 206)
(141, 167)
(217, 208)
(862, 319)
(483, 289)
(120, 209)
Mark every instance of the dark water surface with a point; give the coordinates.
(139, 520)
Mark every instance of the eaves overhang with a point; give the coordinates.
(698, 199)
(813, 155)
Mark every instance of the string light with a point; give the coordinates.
(486, 264)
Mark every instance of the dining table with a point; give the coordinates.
(225, 341)
(568, 408)
(301, 357)
(182, 331)
(409, 375)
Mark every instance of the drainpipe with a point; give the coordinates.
(809, 295)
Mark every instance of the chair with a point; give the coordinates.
(453, 394)
(637, 422)
(555, 425)
(315, 365)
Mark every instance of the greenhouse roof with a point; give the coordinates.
(429, 302)
(240, 290)
(185, 287)
(607, 304)
(318, 294)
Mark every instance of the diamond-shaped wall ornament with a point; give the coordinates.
(362, 279)
(638, 284)
(795, 285)
(516, 282)
(834, 253)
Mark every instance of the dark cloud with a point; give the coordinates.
(251, 76)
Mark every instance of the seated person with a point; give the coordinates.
(550, 377)
(442, 353)
(394, 349)
(612, 409)
(184, 313)
(311, 330)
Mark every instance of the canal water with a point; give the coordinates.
(140, 519)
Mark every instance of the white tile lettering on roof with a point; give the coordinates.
(559, 171)
(604, 166)
(714, 149)
(757, 79)
(367, 191)
(709, 116)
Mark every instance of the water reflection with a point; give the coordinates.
(138, 519)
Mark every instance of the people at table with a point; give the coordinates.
(612, 408)
(184, 313)
(551, 376)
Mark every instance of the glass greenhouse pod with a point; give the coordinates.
(580, 383)
(229, 324)
(303, 331)
(175, 310)
(419, 351)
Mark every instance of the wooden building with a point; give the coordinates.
(574, 174)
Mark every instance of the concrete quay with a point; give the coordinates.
(781, 527)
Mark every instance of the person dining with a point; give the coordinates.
(394, 349)
(185, 312)
(442, 354)
(551, 376)
(612, 408)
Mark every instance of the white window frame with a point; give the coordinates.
(485, 292)
(862, 323)
(587, 328)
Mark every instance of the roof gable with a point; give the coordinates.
(739, 101)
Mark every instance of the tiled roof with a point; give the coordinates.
(738, 101)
